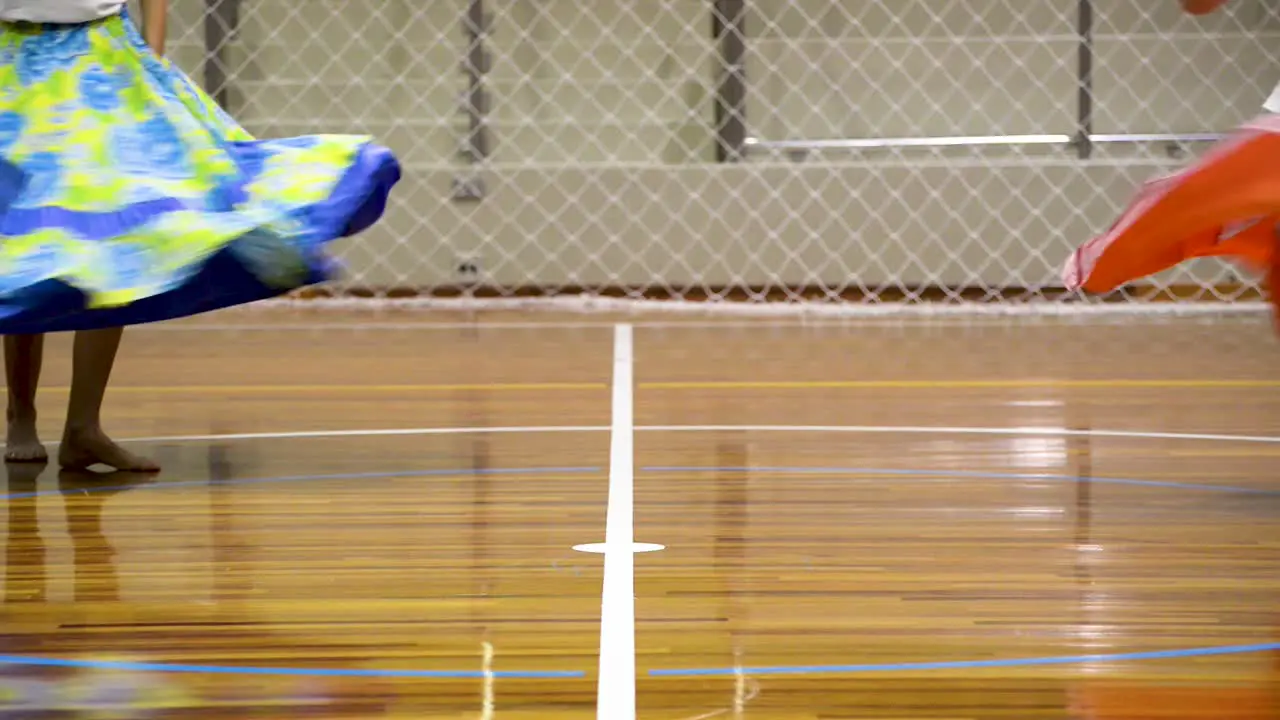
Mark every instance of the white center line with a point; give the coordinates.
(487, 706)
(616, 689)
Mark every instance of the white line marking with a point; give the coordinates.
(1238, 313)
(865, 429)
(744, 691)
(722, 315)
(487, 697)
(602, 548)
(616, 689)
(740, 694)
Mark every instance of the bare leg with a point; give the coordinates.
(23, 356)
(83, 442)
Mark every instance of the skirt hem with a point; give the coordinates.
(227, 278)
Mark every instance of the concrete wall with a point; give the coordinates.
(991, 67)
(603, 143)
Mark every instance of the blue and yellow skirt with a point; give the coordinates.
(128, 196)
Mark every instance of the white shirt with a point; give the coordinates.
(59, 11)
(1273, 103)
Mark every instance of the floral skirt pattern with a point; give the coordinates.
(127, 195)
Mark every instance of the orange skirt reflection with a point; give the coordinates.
(1110, 700)
(1121, 702)
(1225, 205)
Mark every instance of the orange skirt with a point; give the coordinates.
(1226, 205)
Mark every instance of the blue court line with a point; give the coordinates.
(551, 674)
(966, 664)
(294, 671)
(664, 672)
(456, 472)
(1167, 484)
(289, 671)
(465, 472)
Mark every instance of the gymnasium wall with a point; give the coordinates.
(602, 166)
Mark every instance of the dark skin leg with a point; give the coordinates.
(84, 443)
(23, 356)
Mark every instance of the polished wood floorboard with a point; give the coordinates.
(898, 552)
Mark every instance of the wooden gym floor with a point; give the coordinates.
(1016, 520)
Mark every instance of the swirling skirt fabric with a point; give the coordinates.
(128, 196)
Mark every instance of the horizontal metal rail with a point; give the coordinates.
(973, 140)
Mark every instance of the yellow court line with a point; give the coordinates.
(954, 384)
(837, 472)
(1118, 383)
(267, 389)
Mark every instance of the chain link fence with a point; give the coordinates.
(850, 154)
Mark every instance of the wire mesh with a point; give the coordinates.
(852, 154)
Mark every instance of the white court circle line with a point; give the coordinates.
(852, 429)
(616, 688)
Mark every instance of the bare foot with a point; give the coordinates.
(23, 443)
(81, 449)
